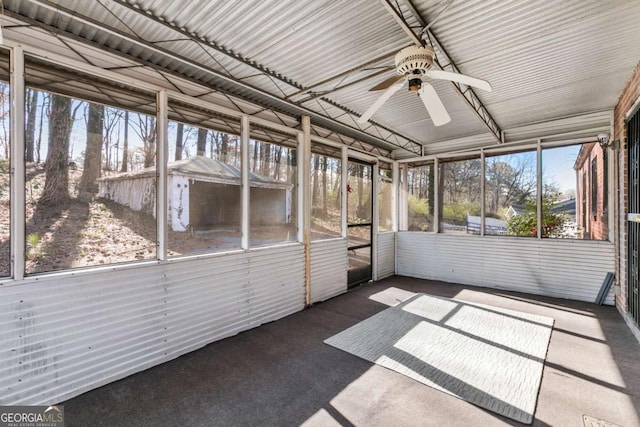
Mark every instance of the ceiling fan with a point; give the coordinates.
(413, 65)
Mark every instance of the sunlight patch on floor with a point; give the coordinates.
(391, 296)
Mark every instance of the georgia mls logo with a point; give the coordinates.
(32, 416)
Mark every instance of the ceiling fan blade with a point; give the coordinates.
(434, 105)
(385, 84)
(460, 78)
(386, 95)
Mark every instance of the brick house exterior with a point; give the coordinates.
(629, 95)
(592, 213)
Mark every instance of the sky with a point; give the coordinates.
(557, 166)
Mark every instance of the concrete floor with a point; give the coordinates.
(281, 374)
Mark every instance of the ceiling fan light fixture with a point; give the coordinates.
(413, 58)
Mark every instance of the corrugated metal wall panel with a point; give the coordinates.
(386, 255)
(64, 334)
(328, 269)
(573, 269)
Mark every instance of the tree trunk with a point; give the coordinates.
(93, 153)
(202, 142)
(224, 148)
(431, 189)
(256, 148)
(45, 104)
(56, 186)
(314, 180)
(179, 132)
(324, 186)
(266, 160)
(30, 133)
(125, 144)
(149, 141)
(278, 160)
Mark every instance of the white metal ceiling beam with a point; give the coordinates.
(410, 145)
(393, 138)
(443, 62)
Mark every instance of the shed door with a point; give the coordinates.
(359, 221)
(633, 219)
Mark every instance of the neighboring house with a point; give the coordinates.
(202, 193)
(515, 210)
(591, 193)
(568, 208)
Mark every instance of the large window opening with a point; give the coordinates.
(460, 183)
(385, 206)
(273, 195)
(510, 194)
(203, 182)
(420, 198)
(326, 194)
(573, 203)
(90, 184)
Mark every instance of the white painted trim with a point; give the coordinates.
(506, 148)
(344, 181)
(483, 184)
(375, 218)
(16, 95)
(632, 110)
(436, 196)
(162, 122)
(304, 199)
(539, 190)
(395, 180)
(245, 187)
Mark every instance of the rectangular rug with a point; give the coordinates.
(491, 357)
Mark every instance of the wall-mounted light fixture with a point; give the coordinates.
(603, 139)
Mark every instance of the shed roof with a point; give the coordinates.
(205, 169)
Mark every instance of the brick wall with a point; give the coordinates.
(596, 226)
(629, 95)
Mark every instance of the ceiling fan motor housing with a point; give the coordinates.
(414, 58)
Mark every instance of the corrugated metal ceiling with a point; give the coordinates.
(546, 60)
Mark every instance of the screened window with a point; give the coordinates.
(326, 199)
(385, 186)
(460, 196)
(561, 169)
(203, 184)
(273, 194)
(420, 198)
(510, 194)
(90, 171)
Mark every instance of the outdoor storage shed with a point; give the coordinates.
(203, 193)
